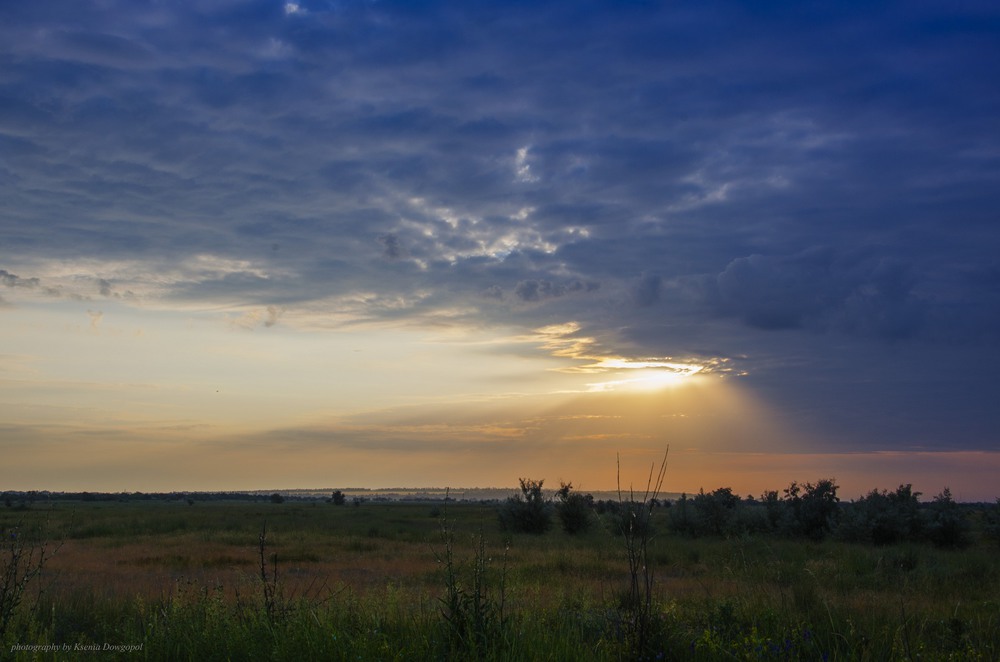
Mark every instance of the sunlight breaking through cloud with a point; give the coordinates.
(293, 210)
(561, 341)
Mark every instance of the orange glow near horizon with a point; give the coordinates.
(135, 401)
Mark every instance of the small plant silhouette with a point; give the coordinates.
(636, 608)
(473, 612)
(23, 558)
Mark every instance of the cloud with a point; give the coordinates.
(493, 292)
(390, 244)
(13, 280)
(264, 317)
(820, 289)
(777, 292)
(522, 167)
(647, 291)
(537, 290)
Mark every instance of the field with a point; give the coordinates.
(300, 580)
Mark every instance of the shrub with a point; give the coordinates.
(22, 558)
(528, 511)
(883, 518)
(473, 610)
(715, 510)
(775, 510)
(573, 509)
(631, 517)
(947, 526)
(749, 517)
(714, 513)
(991, 523)
(814, 509)
(682, 518)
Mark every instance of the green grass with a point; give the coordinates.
(366, 583)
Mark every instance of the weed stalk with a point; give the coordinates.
(637, 608)
(22, 561)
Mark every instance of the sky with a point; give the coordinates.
(264, 244)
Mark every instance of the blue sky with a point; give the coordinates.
(406, 242)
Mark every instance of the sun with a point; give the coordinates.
(651, 380)
(642, 377)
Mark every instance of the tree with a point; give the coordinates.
(573, 509)
(774, 508)
(947, 526)
(814, 508)
(715, 510)
(338, 498)
(528, 511)
(681, 516)
(991, 523)
(883, 518)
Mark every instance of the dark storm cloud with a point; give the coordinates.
(727, 174)
(647, 291)
(819, 288)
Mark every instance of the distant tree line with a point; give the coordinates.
(15, 499)
(814, 511)
(810, 511)
(23, 499)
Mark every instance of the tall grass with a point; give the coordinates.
(365, 584)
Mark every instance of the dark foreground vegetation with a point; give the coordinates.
(791, 575)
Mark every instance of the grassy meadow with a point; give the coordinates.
(169, 580)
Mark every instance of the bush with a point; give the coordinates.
(715, 510)
(991, 523)
(23, 554)
(682, 518)
(714, 513)
(473, 611)
(775, 510)
(631, 518)
(573, 509)
(813, 509)
(947, 526)
(883, 518)
(749, 518)
(527, 512)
